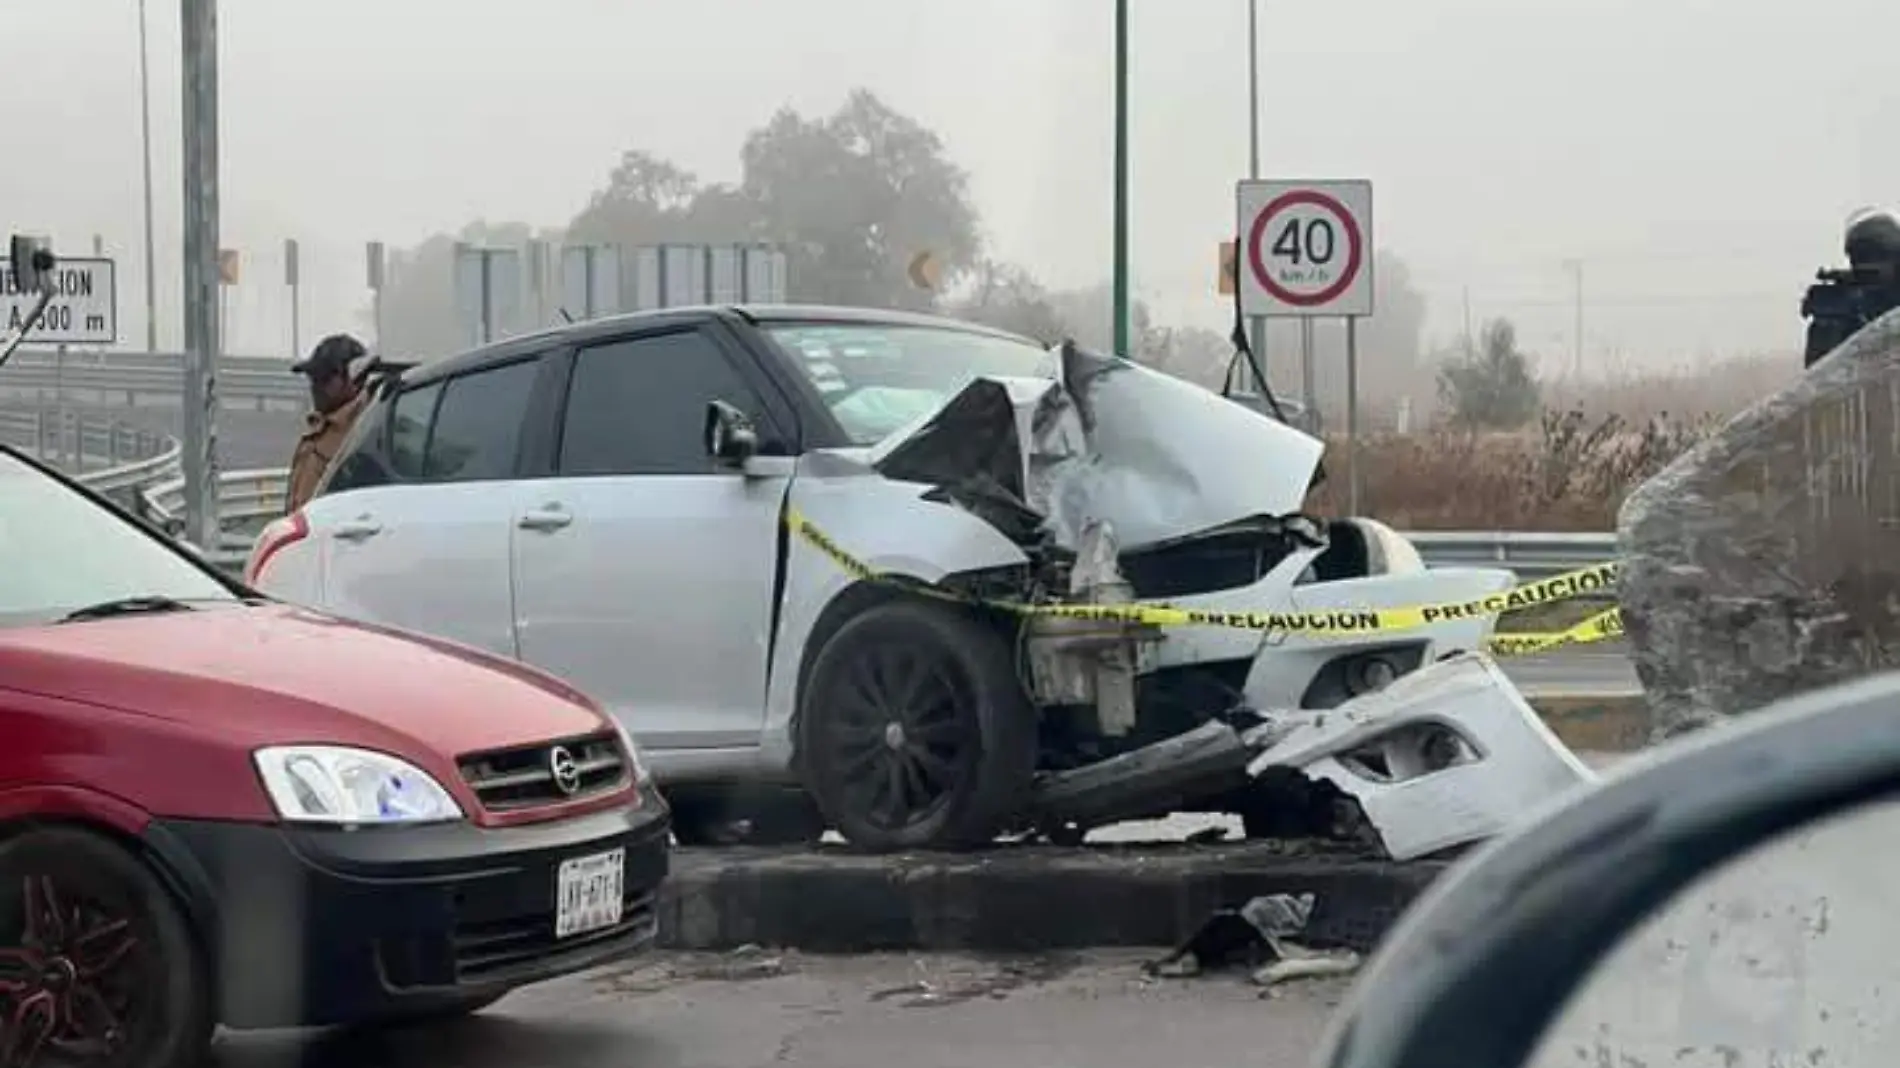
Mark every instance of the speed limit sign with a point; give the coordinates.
(1305, 248)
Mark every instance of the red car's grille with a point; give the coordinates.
(548, 773)
(490, 949)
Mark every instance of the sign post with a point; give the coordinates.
(1306, 253)
(373, 275)
(203, 339)
(291, 280)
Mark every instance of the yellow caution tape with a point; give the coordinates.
(1325, 622)
(1600, 627)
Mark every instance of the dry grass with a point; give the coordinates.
(1568, 472)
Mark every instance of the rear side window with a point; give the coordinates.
(638, 407)
(478, 424)
(386, 444)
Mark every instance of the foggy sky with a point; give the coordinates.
(1698, 157)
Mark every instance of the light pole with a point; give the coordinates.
(1575, 266)
(199, 47)
(1253, 89)
(1257, 328)
(145, 129)
(1121, 178)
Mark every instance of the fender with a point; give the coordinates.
(50, 801)
(168, 857)
(887, 525)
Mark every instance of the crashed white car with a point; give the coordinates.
(677, 512)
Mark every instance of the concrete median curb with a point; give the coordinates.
(1597, 723)
(1017, 898)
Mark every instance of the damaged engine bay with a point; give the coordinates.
(1119, 486)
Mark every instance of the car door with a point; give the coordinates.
(430, 551)
(644, 572)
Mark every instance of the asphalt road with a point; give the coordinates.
(745, 1009)
(248, 438)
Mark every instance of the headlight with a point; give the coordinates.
(336, 785)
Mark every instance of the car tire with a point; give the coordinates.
(115, 969)
(922, 702)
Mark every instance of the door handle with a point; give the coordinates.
(357, 529)
(547, 517)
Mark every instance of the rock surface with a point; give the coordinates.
(1766, 561)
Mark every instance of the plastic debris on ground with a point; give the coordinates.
(1259, 936)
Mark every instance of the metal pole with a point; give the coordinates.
(293, 278)
(1468, 339)
(1577, 266)
(1253, 88)
(1258, 328)
(151, 251)
(488, 302)
(199, 25)
(1309, 389)
(1352, 414)
(1121, 178)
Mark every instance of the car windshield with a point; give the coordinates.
(876, 377)
(60, 552)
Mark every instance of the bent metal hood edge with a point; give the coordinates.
(1157, 457)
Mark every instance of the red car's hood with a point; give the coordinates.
(276, 674)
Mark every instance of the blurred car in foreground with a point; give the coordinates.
(218, 809)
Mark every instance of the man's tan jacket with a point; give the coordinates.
(322, 436)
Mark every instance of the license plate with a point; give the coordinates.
(587, 893)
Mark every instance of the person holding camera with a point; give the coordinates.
(1843, 301)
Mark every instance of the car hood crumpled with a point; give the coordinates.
(1156, 457)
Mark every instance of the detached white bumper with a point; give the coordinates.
(1446, 755)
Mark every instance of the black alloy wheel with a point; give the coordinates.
(915, 731)
(97, 967)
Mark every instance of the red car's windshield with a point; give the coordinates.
(60, 552)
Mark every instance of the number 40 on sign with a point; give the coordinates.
(1305, 249)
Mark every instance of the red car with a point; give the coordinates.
(220, 809)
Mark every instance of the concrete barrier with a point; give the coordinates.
(1018, 898)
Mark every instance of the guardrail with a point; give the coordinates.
(123, 385)
(114, 458)
(248, 499)
(1531, 554)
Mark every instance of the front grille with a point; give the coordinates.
(506, 779)
(490, 949)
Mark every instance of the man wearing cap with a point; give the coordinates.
(335, 400)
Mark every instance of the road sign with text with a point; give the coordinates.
(84, 309)
(1305, 248)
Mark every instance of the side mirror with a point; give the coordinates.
(730, 436)
(1478, 971)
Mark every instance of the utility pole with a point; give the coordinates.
(1469, 346)
(1576, 337)
(1121, 179)
(145, 128)
(199, 25)
(1258, 328)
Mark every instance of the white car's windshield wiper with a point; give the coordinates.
(125, 606)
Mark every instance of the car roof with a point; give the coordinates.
(756, 314)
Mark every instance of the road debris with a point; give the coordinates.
(1448, 755)
(1259, 936)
